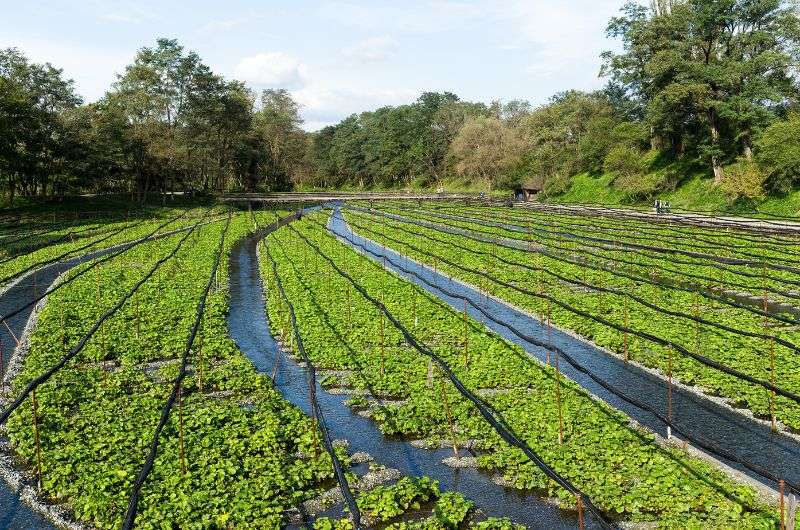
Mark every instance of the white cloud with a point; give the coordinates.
(94, 69)
(119, 17)
(374, 49)
(567, 39)
(273, 69)
(123, 12)
(323, 105)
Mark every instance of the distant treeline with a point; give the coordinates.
(699, 86)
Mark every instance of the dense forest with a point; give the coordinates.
(707, 86)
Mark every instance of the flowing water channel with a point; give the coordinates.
(750, 440)
(249, 327)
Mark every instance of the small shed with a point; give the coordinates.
(529, 189)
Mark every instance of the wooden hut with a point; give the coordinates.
(529, 189)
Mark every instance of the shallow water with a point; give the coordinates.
(249, 327)
(14, 514)
(734, 432)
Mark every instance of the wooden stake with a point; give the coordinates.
(383, 345)
(579, 503)
(180, 433)
(63, 325)
(696, 311)
(200, 362)
(558, 402)
(669, 392)
(771, 351)
(138, 318)
(549, 330)
(625, 333)
(414, 308)
(781, 487)
(449, 416)
(349, 311)
(37, 439)
(466, 336)
(10, 332)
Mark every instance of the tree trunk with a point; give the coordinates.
(747, 148)
(11, 190)
(655, 140)
(716, 166)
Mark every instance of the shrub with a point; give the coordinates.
(743, 180)
(778, 156)
(624, 162)
(630, 168)
(557, 184)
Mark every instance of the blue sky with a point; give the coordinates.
(336, 57)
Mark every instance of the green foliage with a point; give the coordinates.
(485, 148)
(626, 163)
(35, 143)
(779, 154)
(386, 502)
(708, 75)
(743, 181)
(494, 523)
(98, 413)
(621, 481)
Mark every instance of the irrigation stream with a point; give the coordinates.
(14, 514)
(750, 440)
(248, 326)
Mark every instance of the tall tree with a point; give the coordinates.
(277, 124)
(712, 70)
(155, 92)
(32, 140)
(487, 148)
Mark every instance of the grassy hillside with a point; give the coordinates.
(693, 193)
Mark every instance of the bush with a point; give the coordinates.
(630, 169)
(743, 180)
(557, 184)
(624, 161)
(778, 154)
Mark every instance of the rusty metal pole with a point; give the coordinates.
(625, 333)
(558, 401)
(200, 363)
(771, 352)
(414, 308)
(349, 310)
(383, 345)
(449, 414)
(549, 330)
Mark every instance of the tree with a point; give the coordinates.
(277, 125)
(156, 93)
(32, 98)
(778, 154)
(568, 135)
(710, 71)
(487, 148)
